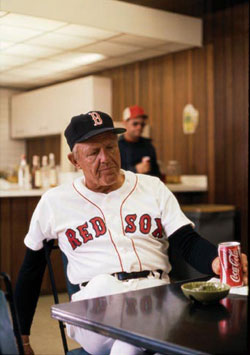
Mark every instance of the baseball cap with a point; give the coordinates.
(133, 112)
(87, 125)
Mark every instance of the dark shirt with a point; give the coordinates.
(133, 152)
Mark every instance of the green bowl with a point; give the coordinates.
(205, 292)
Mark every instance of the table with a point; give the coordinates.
(162, 319)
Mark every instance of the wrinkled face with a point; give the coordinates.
(135, 127)
(99, 159)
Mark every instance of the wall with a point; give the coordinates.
(163, 86)
(10, 150)
(228, 31)
(43, 146)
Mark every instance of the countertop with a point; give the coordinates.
(189, 183)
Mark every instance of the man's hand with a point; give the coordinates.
(216, 267)
(26, 345)
(144, 166)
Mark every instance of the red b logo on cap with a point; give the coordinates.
(96, 118)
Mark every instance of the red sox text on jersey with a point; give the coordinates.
(132, 223)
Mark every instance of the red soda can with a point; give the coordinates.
(230, 263)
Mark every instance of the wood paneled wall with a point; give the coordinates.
(15, 215)
(43, 146)
(163, 86)
(214, 79)
(228, 31)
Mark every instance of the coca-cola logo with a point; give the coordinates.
(234, 260)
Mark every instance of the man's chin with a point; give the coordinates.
(109, 177)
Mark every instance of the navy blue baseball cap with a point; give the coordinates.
(87, 125)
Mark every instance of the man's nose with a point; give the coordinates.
(103, 155)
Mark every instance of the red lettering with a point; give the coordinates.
(146, 304)
(84, 232)
(98, 225)
(131, 306)
(99, 305)
(145, 223)
(157, 233)
(71, 235)
(130, 219)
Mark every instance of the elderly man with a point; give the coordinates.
(114, 226)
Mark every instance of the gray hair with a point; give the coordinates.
(75, 151)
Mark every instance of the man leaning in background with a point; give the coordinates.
(137, 152)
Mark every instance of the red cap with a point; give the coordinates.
(133, 112)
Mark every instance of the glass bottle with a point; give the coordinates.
(21, 170)
(45, 172)
(23, 174)
(52, 170)
(36, 178)
(173, 172)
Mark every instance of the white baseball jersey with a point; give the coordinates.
(123, 230)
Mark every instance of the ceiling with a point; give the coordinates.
(40, 45)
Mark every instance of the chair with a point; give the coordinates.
(10, 333)
(48, 247)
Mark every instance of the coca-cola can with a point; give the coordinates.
(230, 263)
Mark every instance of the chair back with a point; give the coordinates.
(48, 247)
(10, 333)
(71, 288)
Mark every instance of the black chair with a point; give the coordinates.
(48, 247)
(10, 332)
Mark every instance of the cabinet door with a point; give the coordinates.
(31, 117)
(19, 119)
(47, 111)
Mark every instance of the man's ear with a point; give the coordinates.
(72, 160)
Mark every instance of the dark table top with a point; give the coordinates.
(162, 319)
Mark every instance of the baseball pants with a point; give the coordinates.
(103, 285)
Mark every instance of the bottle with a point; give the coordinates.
(21, 171)
(36, 178)
(24, 174)
(27, 178)
(45, 172)
(173, 172)
(52, 171)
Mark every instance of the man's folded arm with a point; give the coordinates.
(196, 251)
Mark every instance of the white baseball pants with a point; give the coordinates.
(103, 285)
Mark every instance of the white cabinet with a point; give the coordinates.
(48, 110)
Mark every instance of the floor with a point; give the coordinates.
(45, 336)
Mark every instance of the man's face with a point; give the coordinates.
(99, 159)
(135, 127)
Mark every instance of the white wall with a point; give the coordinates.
(10, 149)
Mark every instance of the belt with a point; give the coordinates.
(123, 276)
